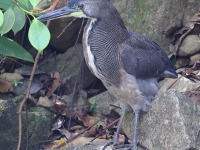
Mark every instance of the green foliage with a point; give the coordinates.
(16, 82)
(20, 21)
(12, 49)
(25, 4)
(93, 105)
(5, 4)
(1, 18)
(38, 35)
(34, 2)
(13, 18)
(9, 19)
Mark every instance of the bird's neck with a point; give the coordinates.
(110, 27)
(100, 45)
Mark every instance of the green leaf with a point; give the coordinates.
(5, 4)
(25, 4)
(9, 19)
(12, 49)
(1, 17)
(34, 2)
(20, 21)
(38, 35)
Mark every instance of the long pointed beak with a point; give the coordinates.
(62, 12)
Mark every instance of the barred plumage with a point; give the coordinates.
(126, 62)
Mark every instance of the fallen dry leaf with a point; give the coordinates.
(56, 83)
(11, 76)
(5, 86)
(194, 96)
(44, 102)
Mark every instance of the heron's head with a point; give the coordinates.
(80, 8)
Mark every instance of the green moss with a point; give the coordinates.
(39, 123)
(142, 10)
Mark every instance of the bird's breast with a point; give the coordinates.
(89, 56)
(101, 52)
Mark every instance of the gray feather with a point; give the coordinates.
(143, 58)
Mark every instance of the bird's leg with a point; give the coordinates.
(135, 133)
(116, 137)
(122, 113)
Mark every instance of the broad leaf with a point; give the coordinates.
(25, 4)
(20, 21)
(34, 2)
(1, 17)
(5, 4)
(38, 35)
(12, 49)
(9, 19)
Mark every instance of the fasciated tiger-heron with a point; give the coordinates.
(127, 63)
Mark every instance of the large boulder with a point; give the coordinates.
(173, 120)
(190, 46)
(152, 17)
(171, 124)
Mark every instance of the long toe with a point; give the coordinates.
(116, 145)
(122, 146)
(107, 144)
(133, 147)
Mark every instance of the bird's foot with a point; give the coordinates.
(117, 145)
(126, 147)
(114, 144)
(123, 146)
(107, 144)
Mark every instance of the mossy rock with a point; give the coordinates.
(39, 121)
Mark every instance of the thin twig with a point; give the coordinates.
(27, 96)
(74, 137)
(66, 28)
(52, 7)
(27, 128)
(24, 100)
(108, 126)
(182, 38)
(170, 86)
(115, 106)
(76, 81)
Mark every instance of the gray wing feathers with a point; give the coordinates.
(143, 58)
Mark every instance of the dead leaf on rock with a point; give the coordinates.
(194, 96)
(11, 76)
(61, 108)
(56, 144)
(64, 132)
(194, 20)
(5, 86)
(56, 83)
(180, 33)
(26, 70)
(83, 141)
(58, 124)
(169, 31)
(76, 128)
(44, 102)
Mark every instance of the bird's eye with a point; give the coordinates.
(80, 6)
